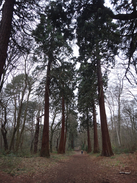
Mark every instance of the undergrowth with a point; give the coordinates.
(16, 164)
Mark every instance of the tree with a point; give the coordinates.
(63, 82)
(15, 31)
(118, 98)
(5, 30)
(20, 86)
(130, 121)
(28, 114)
(127, 26)
(118, 92)
(36, 136)
(4, 108)
(86, 94)
(72, 128)
(53, 126)
(106, 144)
(94, 46)
(51, 38)
(16, 16)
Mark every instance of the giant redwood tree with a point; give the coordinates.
(106, 144)
(52, 46)
(99, 46)
(63, 83)
(86, 94)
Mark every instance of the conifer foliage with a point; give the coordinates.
(51, 37)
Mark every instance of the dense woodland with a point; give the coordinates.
(52, 99)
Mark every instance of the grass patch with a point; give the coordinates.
(112, 157)
(121, 150)
(118, 160)
(16, 164)
(9, 164)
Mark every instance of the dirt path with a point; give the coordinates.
(78, 169)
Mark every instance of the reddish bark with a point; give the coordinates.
(5, 30)
(65, 138)
(45, 138)
(88, 138)
(106, 144)
(61, 149)
(96, 145)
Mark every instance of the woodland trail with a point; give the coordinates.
(80, 168)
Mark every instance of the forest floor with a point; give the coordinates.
(76, 168)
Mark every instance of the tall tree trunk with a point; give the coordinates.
(23, 126)
(16, 128)
(51, 139)
(4, 131)
(36, 136)
(5, 30)
(61, 144)
(12, 139)
(89, 141)
(96, 145)
(4, 134)
(65, 138)
(88, 136)
(106, 144)
(52, 130)
(45, 138)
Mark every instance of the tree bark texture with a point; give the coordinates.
(51, 139)
(5, 30)
(4, 134)
(65, 138)
(45, 138)
(61, 144)
(96, 145)
(106, 144)
(4, 131)
(88, 138)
